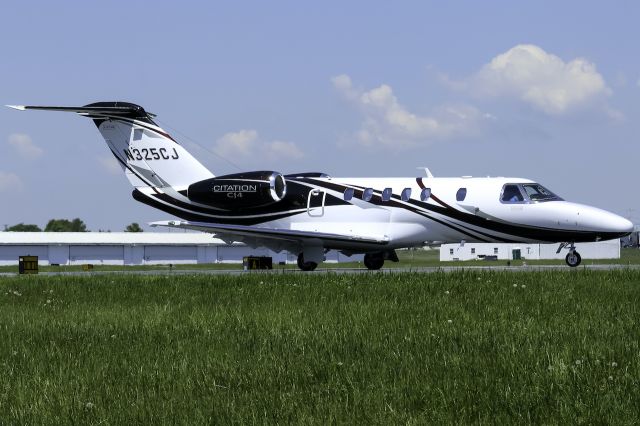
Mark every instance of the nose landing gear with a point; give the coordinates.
(573, 258)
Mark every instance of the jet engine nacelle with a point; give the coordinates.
(239, 190)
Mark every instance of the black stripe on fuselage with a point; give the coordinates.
(297, 196)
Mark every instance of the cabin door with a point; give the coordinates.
(315, 203)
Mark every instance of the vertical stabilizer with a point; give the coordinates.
(149, 156)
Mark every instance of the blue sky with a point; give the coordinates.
(543, 90)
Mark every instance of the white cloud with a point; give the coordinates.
(247, 144)
(282, 149)
(540, 79)
(9, 182)
(389, 123)
(110, 165)
(240, 143)
(24, 146)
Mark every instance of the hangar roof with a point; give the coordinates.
(109, 238)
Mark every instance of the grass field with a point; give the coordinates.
(468, 347)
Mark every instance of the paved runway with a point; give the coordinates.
(423, 270)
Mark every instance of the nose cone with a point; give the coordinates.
(624, 226)
(607, 224)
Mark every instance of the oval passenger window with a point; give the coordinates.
(461, 194)
(348, 194)
(425, 194)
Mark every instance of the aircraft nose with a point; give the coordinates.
(606, 222)
(622, 225)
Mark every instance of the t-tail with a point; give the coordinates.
(149, 156)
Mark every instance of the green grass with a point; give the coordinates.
(467, 347)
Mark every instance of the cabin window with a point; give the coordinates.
(348, 194)
(473, 250)
(461, 194)
(450, 251)
(406, 194)
(511, 194)
(425, 194)
(386, 194)
(495, 250)
(367, 194)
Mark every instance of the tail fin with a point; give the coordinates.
(149, 156)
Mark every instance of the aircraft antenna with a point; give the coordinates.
(193, 141)
(427, 172)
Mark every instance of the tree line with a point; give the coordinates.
(63, 225)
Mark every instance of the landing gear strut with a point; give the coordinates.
(306, 266)
(573, 259)
(374, 261)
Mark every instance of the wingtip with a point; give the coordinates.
(168, 223)
(18, 107)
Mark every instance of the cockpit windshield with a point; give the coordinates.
(537, 192)
(526, 193)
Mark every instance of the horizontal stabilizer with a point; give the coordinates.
(124, 109)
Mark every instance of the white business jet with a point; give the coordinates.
(310, 213)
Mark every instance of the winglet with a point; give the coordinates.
(18, 107)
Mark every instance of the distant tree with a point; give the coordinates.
(134, 227)
(64, 225)
(21, 227)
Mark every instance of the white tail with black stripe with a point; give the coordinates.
(149, 156)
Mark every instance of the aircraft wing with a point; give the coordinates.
(268, 236)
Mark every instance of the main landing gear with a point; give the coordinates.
(374, 261)
(306, 266)
(573, 258)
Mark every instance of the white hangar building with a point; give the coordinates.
(470, 251)
(133, 248)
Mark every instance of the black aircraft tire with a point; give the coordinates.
(373, 261)
(306, 266)
(573, 259)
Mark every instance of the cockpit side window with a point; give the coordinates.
(511, 194)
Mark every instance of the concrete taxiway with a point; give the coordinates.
(422, 270)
